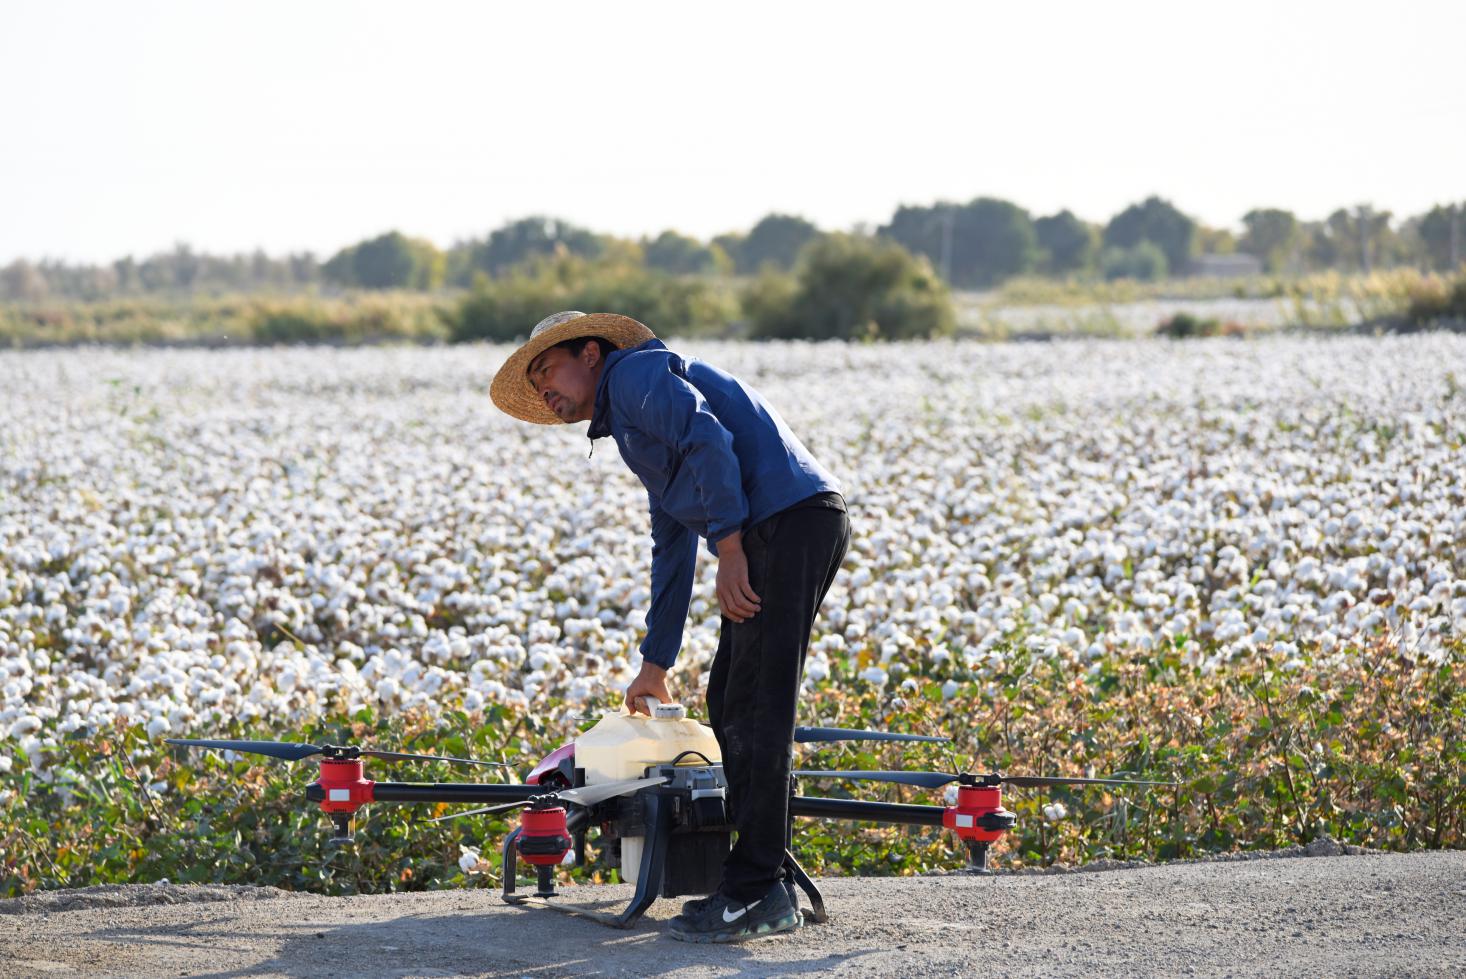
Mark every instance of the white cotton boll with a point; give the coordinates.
(157, 726)
(817, 669)
(949, 689)
(543, 657)
(1055, 811)
(468, 859)
(875, 675)
(27, 724)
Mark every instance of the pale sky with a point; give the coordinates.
(129, 126)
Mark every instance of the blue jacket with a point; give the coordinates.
(714, 456)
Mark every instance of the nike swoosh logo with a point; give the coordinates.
(729, 919)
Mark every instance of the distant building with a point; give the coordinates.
(1235, 266)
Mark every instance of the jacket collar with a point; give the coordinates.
(600, 423)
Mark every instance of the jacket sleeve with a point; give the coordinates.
(669, 408)
(674, 559)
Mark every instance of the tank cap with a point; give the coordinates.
(669, 712)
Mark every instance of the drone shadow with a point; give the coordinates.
(505, 942)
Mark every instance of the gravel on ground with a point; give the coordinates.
(1359, 914)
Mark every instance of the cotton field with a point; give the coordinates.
(191, 536)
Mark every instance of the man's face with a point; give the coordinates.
(567, 384)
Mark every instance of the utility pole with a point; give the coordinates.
(1364, 222)
(949, 217)
(1455, 236)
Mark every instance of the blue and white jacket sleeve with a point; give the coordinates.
(674, 559)
(672, 410)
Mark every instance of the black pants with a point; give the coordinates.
(792, 560)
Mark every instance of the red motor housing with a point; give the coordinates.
(543, 837)
(344, 788)
(979, 815)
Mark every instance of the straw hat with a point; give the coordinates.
(511, 389)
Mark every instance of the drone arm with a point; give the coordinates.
(454, 792)
(859, 810)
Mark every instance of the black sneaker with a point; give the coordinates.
(722, 919)
(694, 907)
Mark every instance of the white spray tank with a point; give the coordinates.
(623, 744)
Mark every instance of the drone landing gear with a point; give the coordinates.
(658, 814)
(977, 857)
(816, 913)
(658, 822)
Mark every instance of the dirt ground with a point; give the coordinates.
(1342, 915)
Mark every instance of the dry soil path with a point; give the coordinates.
(1362, 915)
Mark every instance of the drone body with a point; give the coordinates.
(654, 789)
(622, 745)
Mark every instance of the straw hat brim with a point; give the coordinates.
(511, 390)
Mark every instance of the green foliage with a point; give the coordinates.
(1069, 245)
(226, 321)
(1215, 241)
(121, 808)
(680, 255)
(1442, 233)
(389, 261)
(1357, 238)
(1439, 300)
(500, 310)
(1272, 236)
(181, 270)
(1184, 326)
(768, 302)
(975, 245)
(849, 287)
(1144, 262)
(775, 242)
(1372, 755)
(1158, 222)
(520, 242)
(358, 320)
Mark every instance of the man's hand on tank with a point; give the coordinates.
(650, 682)
(736, 598)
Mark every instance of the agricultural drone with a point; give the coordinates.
(668, 826)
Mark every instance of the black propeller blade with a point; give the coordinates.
(935, 780)
(586, 795)
(289, 750)
(927, 780)
(1034, 780)
(805, 735)
(295, 751)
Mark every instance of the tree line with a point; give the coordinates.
(975, 245)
